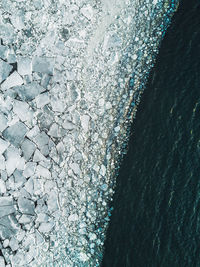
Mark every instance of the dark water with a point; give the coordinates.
(156, 217)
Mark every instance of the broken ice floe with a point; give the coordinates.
(64, 104)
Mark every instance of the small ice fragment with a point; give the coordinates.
(104, 187)
(29, 91)
(87, 11)
(5, 69)
(29, 170)
(134, 57)
(13, 80)
(42, 100)
(3, 145)
(24, 66)
(2, 262)
(12, 159)
(43, 172)
(85, 122)
(15, 133)
(28, 148)
(46, 227)
(2, 188)
(117, 129)
(73, 217)
(75, 168)
(26, 206)
(3, 122)
(43, 65)
(22, 110)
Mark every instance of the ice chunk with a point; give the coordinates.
(18, 178)
(38, 157)
(42, 100)
(15, 133)
(26, 206)
(73, 217)
(75, 168)
(29, 185)
(5, 69)
(41, 139)
(57, 104)
(29, 169)
(2, 262)
(22, 110)
(12, 159)
(85, 122)
(13, 244)
(13, 80)
(3, 145)
(43, 65)
(24, 66)
(46, 227)
(28, 148)
(6, 206)
(8, 226)
(3, 122)
(52, 201)
(2, 188)
(43, 172)
(25, 219)
(2, 162)
(54, 130)
(87, 11)
(28, 92)
(3, 51)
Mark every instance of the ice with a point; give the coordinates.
(24, 66)
(53, 130)
(42, 217)
(18, 178)
(13, 80)
(2, 188)
(43, 172)
(6, 206)
(25, 219)
(6, 201)
(2, 163)
(13, 244)
(5, 70)
(2, 262)
(87, 11)
(3, 146)
(28, 148)
(29, 169)
(75, 168)
(8, 226)
(52, 201)
(29, 91)
(73, 217)
(42, 100)
(12, 159)
(57, 104)
(3, 51)
(3, 122)
(41, 139)
(15, 133)
(68, 125)
(103, 170)
(29, 186)
(85, 122)
(22, 110)
(26, 206)
(38, 157)
(43, 65)
(46, 227)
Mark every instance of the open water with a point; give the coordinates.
(156, 217)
